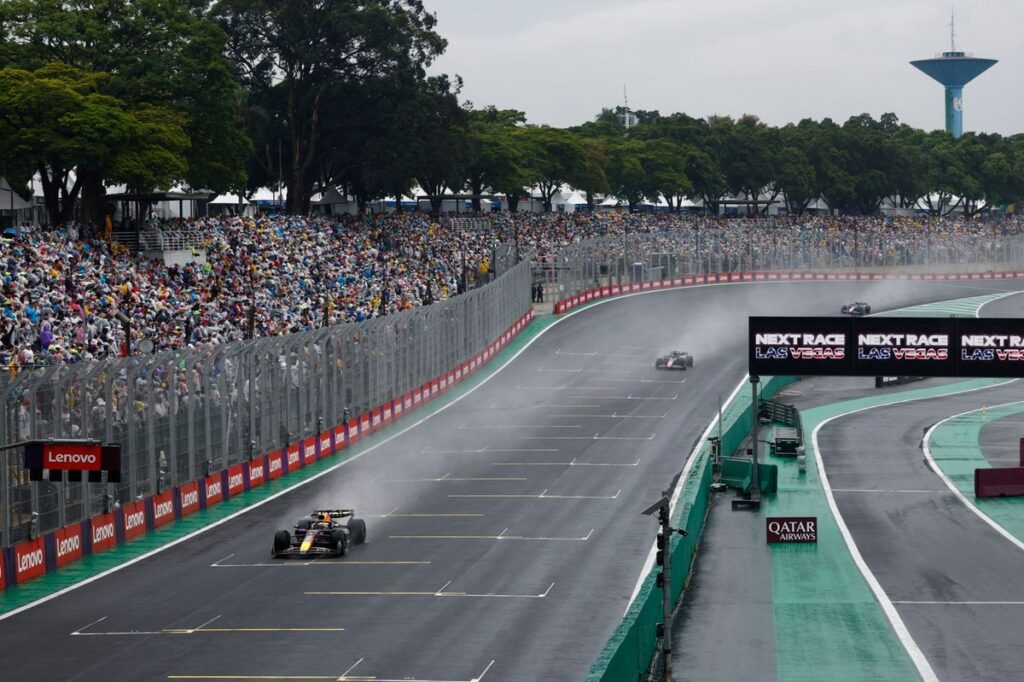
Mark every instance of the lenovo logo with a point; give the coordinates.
(255, 473)
(213, 489)
(235, 481)
(102, 533)
(69, 545)
(275, 465)
(189, 498)
(29, 561)
(134, 520)
(72, 458)
(163, 509)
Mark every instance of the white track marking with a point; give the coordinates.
(501, 536)
(620, 397)
(926, 446)
(350, 669)
(924, 668)
(865, 490)
(486, 449)
(596, 436)
(439, 593)
(961, 603)
(287, 562)
(572, 463)
(563, 387)
(543, 496)
(445, 478)
(470, 427)
(595, 354)
(584, 370)
(612, 416)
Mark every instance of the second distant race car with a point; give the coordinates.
(676, 359)
(857, 308)
(321, 534)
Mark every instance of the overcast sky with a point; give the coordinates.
(560, 61)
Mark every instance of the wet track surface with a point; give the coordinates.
(954, 580)
(505, 537)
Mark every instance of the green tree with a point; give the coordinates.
(154, 52)
(55, 122)
(310, 49)
(558, 157)
(493, 159)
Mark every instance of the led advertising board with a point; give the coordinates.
(887, 346)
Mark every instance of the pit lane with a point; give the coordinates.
(470, 569)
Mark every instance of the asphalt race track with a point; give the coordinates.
(505, 538)
(954, 580)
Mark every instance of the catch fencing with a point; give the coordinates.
(738, 249)
(182, 415)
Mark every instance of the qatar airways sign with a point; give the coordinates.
(781, 529)
(890, 346)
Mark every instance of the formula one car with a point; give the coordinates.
(858, 308)
(321, 534)
(676, 359)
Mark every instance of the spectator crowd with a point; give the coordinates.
(69, 294)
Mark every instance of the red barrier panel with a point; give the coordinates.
(376, 419)
(103, 533)
(309, 450)
(134, 515)
(68, 544)
(294, 457)
(257, 473)
(339, 437)
(325, 444)
(163, 509)
(275, 465)
(236, 480)
(353, 431)
(388, 412)
(398, 405)
(188, 498)
(30, 560)
(364, 425)
(213, 489)
(999, 482)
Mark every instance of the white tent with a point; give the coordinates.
(10, 199)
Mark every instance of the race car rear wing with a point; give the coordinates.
(334, 513)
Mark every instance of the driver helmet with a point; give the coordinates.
(324, 518)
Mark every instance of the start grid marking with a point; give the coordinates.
(344, 677)
(200, 629)
(441, 593)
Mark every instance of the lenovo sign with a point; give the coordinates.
(134, 519)
(163, 509)
(214, 489)
(68, 544)
(188, 498)
(791, 529)
(29, 560)
(72, 456)
(104, 534)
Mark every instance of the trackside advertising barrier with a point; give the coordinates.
(570, 302)
(62, 546)
(628, 654)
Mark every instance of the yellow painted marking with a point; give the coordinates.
(307, 542)
(187, 631)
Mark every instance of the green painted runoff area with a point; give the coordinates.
(90, 566)
(956, 448)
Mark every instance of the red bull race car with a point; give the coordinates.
(676, 359)
(321, 534)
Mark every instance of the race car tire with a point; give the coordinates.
(867, 310)
(358, 528)
(282, 541)
(689, 361)
(342, 543)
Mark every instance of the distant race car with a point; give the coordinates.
(321, 534)
(676, 359)
(858, 308)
